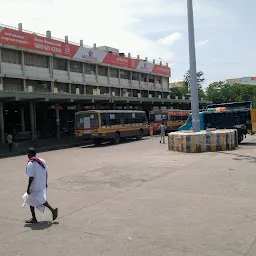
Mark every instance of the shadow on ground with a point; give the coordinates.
(239, 157)
(41, 225)
(109, 144)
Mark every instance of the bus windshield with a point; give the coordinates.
(86, 121)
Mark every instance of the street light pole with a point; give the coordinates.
(193, 73)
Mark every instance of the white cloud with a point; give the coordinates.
(120, 24)
(202, 42)
(171, 39)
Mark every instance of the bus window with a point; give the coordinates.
(105, 119)
(87, 121)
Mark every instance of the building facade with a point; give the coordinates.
(242, 80)
(44, 81)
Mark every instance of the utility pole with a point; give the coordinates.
(193, 73)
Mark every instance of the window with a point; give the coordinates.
(76, 66)
(113, 72)
(12, 84)
(36, 60)
(60, 64)
(151, 79)
(124, 74)
(143, 77)
(158, 79)
(102, 71)
(87, 121)
(135, 76)
(10, 56)
(89, 69)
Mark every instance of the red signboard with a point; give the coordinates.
(162, 70)
(116, 60)
(35, 42)
(52, 46)
(253, 78)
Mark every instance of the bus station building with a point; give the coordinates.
(44, 81)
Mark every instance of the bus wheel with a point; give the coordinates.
(116, 139)
(139, 135)
(97, 142)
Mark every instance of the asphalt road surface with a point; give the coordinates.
(136, 198)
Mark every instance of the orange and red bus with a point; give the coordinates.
(172, 118)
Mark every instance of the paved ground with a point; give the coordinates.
(41, 145)
(135, 199)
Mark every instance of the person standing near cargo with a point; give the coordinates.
(162, 129)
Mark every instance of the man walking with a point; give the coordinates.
(37, 184)
(162, 128)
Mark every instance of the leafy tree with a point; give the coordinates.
(220, 92)
(200, 79)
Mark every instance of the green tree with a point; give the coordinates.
(200, 79)
(220, 92)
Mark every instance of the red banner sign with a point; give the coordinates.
(52, 46)
(162, 70)
(116, 60)
(35, 42)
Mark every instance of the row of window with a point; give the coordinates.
(109, 119)
(36, 60)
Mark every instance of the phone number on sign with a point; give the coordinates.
(47, 48)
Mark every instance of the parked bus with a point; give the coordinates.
(172, 118)
(232, 105)
(110, 125)
(242, 119)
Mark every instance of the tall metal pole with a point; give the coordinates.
(193, 73)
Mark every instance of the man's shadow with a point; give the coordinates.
(42, 225)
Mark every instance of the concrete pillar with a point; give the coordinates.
(32, 120)
(119, 79)
(69, 88)
(20, 26)
(51, 66)
(48, 34)
(68, 69)
(52, 87)
(24, 85)
(83, 72)
(22, 63)
(57, 120)
(108, 75)
(84, 89)
(97, 74)
(22, 117)
(2, 123)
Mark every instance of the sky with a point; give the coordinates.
(224, 30)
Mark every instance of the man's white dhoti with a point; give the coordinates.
(35, 199)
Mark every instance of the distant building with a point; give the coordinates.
(242, 80)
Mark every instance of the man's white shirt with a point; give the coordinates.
(35, 170)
